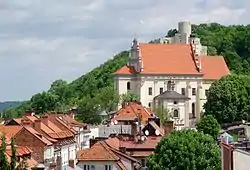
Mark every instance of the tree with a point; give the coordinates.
(163, 114)
(43, 102)
(108, 99)
(13, 154)
(185, 150)
(228, 99)
(88, 111)
(209, 125)
(128, 97)
(4, 165)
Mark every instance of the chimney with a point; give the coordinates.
(37, 125)
(45, 119)
(72, 163)
(25, 122)
(168, 127)
(29, 113)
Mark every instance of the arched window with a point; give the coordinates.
(193, 110)
(176, 113)
(128, 86)
(149, 104)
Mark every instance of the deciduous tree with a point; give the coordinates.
(228, 99)
(186, 150)
(209, 125)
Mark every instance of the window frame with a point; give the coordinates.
(150, 91)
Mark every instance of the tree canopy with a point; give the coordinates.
(228, 99)
(185, 150)
(209, 125)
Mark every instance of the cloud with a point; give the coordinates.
(44, 40)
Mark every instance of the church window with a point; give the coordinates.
(176, 113)
(128, 86)
(150, 91)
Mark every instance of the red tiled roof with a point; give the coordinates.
(177, 59)
(20, 150)
(149, 143)
(10, 131)
(141, 153)
(98, 152)
(130, 112)
(39, 136)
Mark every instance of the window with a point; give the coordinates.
(193, 110)
(108, 167)
(92, 167)
(161, 90)
(183, 91)
(175, 102)
(128, 86)
(149, 104)
(169, 86)
(86, 167)
(193, 91)
(206, 92)
(143, 163)
(176, 113)
(150, 91)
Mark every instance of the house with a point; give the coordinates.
(103, 157)
(130, 111)
(81, 130)
(235, 157)
(60, 142)
(23, 153)
(182, 70)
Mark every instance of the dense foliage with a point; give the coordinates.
(228, 99)
(209, 125)
(185, 150)
(233, 42)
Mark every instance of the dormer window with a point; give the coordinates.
(128, 86)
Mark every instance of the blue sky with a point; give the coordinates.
(45, 40)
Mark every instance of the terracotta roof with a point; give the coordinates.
(98, 152)
(10, 131)
(20, 150)
(214, 67)
(39, 136)
(141, 153)
(177, 59)
(113, 142)
(130, 112)
(149, 143)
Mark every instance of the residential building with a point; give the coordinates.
(81, 130)
(153, 69)
(103, 157)
(60, 147)
(23, 153)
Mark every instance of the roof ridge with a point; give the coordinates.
(107, 148)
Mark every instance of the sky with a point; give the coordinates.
(45, 40)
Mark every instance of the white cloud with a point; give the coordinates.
(43, 40)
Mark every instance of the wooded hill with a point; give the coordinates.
(94, 91)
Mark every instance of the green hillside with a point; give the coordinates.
(94, 91)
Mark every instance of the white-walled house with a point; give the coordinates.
(151, 67)
(102, 157)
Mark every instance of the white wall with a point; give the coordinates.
(49, 152)
(241, 160)
(99, 165)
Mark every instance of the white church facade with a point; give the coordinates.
(172, 76)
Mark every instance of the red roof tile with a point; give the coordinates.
(177, 59)
(98, 152)
(130, 112)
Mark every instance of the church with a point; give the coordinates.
(174, 76)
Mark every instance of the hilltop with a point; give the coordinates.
(96, 88)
